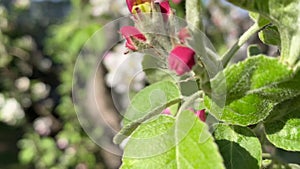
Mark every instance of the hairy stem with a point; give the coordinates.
(127, 130)
(194, 14)
(242, 40)
(190, 100)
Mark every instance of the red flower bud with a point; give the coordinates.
(165, 7)
(201, 114)
(183, 35)
(181, 59)
(132, 34)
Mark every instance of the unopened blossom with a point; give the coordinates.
(132, 36)
(201, 114)
(166, 111)
(165, 7)
(181, 59)
(183, 35)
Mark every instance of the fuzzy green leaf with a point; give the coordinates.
(259, 19)
(283, 127)
(172, 143)
(152, 66)
(253, 88)
(146, 104)
(253, 50)
(270, 35)
(285, 15)
(239, 147)
(155, 96)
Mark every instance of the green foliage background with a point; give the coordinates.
(23, 52)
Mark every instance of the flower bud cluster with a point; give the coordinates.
(181, 58)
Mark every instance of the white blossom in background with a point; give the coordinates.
(45, 64)
(125, 71)
(21, 3)
(101, 7)
(229, 23)
(120, 7)
(62, 143)
(40, 90)
(22, 83)
(42, 125)
(11, 111)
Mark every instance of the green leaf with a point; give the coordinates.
(27, 154)
(155, 96)
(259, 19)
(253, 88)
(172, 143)
(283, 127)
(270, 35)
(253, 50)
(281, 91)
(239, 147)
(152, 66)
(285, 15)
(146, 104)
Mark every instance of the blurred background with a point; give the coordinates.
(39, 43)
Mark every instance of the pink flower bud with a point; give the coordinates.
(166, 111)
(165, 7)
(183, 35)
(181, 59)
(132, 34)
(201, 114)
